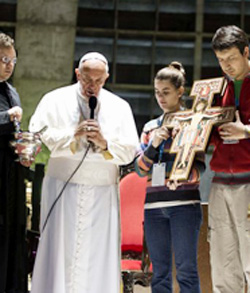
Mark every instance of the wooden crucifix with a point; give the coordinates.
(196, 125)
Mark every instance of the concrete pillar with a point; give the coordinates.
(198, 39)
(45, 41)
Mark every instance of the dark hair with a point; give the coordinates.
(174, 72)
(201, 101)
(230, 36)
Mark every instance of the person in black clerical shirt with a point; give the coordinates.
(12, 212)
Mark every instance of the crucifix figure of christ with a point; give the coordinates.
(195, 125)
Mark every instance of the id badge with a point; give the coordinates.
(230, 141)
(158, 175)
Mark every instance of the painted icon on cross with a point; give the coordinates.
(195, 125)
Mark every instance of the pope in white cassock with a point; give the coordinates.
(79, 249)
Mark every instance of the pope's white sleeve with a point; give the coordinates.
(124, 145)
(58, 136)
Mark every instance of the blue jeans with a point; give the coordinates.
(178, 228)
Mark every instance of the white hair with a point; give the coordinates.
(94, 55)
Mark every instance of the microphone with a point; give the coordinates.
(92, 106)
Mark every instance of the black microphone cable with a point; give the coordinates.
(92, 106)
(64, 186)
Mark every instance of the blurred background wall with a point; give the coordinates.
(137, 36)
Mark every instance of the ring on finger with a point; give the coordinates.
(89, 128)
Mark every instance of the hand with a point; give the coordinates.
(90, 129)
(82, 130)
(233, 130)
(175, 131)
(159, 135)
(173, 184)
(15, 112)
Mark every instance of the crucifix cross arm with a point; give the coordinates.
(195, 126)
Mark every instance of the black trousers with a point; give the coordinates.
(13, 248)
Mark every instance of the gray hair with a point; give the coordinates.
(6, 41)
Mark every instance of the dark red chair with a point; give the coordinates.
(135, 262)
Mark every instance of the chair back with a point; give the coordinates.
(132, 196)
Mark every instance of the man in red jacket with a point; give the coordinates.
(229, 201)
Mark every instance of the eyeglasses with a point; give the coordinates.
(88, 80)
(7, 60)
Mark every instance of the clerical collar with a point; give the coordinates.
(80, 94)
(84, 104)
(3, 85)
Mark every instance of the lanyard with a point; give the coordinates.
(161, 150)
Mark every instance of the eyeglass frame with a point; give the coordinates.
(7, 60)
(85, 79)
